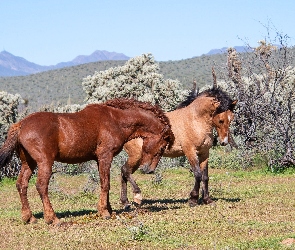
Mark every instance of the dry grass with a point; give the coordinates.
(252, 210)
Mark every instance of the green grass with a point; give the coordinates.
(252, 210)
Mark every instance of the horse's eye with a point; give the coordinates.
(221, 121)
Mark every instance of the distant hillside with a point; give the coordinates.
(54, 86)
(11, 65)
(240, 49)
(96, 56)
(65, 85)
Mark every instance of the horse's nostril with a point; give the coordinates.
(224, 143)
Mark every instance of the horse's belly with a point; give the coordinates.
(76, 152)
(175, 151)
(75, 157)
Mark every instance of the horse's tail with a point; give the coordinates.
(10, 144)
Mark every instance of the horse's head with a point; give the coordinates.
(221, 122)
(153, 148)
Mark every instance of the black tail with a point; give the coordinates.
(9, 145)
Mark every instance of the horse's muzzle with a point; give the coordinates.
(146, 169)
(224, 142)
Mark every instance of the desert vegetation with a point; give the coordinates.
(264, 84)
(252, 181)
(252, 210)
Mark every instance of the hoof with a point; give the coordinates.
(137, 199)
(192, 203)
(33, 220)
(28, 218)
(127, 207)
(207, 201)
(107, 217)
(53, 221)
(136, 204)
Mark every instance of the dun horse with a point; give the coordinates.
(192, 124)
(98, 132)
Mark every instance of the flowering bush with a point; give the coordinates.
(264, 83)
(9, 114)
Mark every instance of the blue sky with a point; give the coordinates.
(47, 32)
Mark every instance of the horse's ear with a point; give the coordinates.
(214, 79)
(195, 88)
(234, 102)
(233, 105)
(215, 103)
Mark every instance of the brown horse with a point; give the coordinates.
(98, 132)
(192, 124)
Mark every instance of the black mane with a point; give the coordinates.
(226, 103)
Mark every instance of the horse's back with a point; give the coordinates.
(64, 136)
(40, 124)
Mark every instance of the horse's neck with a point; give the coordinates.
(203, 107)
(149, 124)
(188, 117)
(199, 110)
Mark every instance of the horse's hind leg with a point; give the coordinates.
(137, 197)
(28, 166)
(104, 165)
(134, 150)
(43, 177)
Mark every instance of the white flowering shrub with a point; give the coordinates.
(9, 114)
(264, 84)
(63, 109)
(139, 79)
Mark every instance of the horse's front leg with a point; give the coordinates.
(205, 180)
(104, 206)
(195, 167)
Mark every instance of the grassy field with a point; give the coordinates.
(252, 210)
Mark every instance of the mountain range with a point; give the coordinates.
(239, 49)
(11, 65)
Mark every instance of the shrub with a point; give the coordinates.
(139, 79)
(264, 83)
(9, 114)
